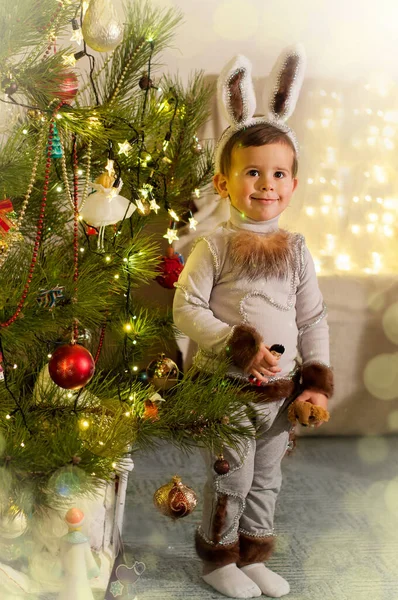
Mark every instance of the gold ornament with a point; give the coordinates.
(175, 499)
(101, 28)
(12, 524)
(162, 372)
(105, 180)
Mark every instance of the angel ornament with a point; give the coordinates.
(106, 206)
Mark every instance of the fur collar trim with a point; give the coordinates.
(256, 256)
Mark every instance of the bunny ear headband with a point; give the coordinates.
(236, 95)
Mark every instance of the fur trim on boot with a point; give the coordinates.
(257, 256)
(254, 549)
(319, 378)
(243, 346)
(218, 555)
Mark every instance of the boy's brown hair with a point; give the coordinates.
(256, 135)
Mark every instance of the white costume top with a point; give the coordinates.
(211, 299)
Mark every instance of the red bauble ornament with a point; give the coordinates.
(65, 86)
(71, 366)
(221, 466)
(170, 268)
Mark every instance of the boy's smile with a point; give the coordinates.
(260, 183)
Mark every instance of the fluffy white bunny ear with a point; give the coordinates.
(284, 83)
(235, 91)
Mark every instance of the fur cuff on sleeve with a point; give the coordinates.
(319, 378)
(243, 346)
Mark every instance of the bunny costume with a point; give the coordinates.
(246, 282)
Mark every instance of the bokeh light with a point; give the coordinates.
(390, 323)
(372, 449)
(236, 20)
(381, 376)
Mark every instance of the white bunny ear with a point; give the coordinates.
(284, 83)
(235, 91)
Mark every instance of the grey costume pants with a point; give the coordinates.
(239, 506)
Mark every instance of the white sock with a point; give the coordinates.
(270, 583)
(232, 582)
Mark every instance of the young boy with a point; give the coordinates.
(246, 287)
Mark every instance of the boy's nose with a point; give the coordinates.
(266, 186)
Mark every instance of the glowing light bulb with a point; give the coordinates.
(373, 217)
(369, 111)
(127, 327)
(84, 424)
(107, 258)
(368, 198)
(310, 210)
(388, 218)
(389, 144)
(82, 250)
(355, 199)
(135, 368)
(310, 180)
(23, 445)
(8, 417)
(343, 262)
(355, 229)
(327, 199)
(59, 188)
(325, 123)
(388, 231)
(322, 180)
(117, 276)
(325, 210)
(310, 124)
(370, 227)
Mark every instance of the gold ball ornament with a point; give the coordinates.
(162, 372)
(175, 499)
(12, 524)
(101, 28)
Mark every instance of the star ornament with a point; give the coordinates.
(192, 223)
(171, 235)
(109, 167)
(140, 206)
(124, 148)
(153, 205)
(69, 60)
(77, 36)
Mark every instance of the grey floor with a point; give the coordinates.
(337, 523)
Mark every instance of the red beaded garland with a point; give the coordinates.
(71, 366)
(39, 226)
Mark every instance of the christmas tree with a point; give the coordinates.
(89, 159)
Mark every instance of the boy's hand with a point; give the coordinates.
(315, 398)
(264, 364)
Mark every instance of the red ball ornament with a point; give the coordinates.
(65, 86)
(170, 268)
(71, 366)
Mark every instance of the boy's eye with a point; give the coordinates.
(253, 173)
(279, 174)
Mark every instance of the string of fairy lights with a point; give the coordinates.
(349, 213)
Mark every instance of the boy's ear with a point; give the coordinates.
(221, 185)
(295, 182)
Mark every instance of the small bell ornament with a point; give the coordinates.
(175, 499)
(101, 28)
(162, 372)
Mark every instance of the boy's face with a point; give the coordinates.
(260, 182)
